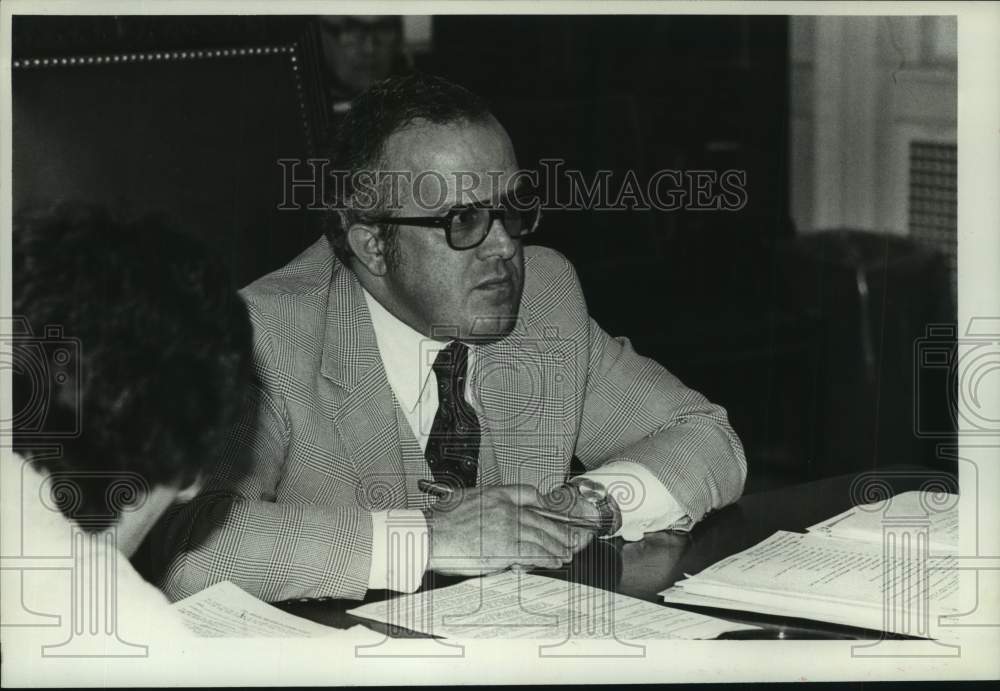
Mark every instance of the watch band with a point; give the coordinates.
(597, 494)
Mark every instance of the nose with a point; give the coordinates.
(498, 242)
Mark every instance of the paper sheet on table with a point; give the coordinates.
(821, 568)
(226, 611)
(816, 577)
(521, 605)
(846, 615)
(866, 522)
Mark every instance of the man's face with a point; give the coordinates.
(473, 294)
(360, 50)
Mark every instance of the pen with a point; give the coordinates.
(442, 490)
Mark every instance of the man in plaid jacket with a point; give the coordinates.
(420, 341)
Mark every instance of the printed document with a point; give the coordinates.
(887, 587)
(939, 512)
(515, 604)
(225, 610)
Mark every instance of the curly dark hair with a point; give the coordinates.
(163, 342)
(358, 143)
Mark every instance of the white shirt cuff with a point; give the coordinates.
(400, 550)
(645, 503)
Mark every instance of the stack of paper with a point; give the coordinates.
(860, 568)
(520, 605)
(866, 523)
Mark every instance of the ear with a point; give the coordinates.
(368, 247)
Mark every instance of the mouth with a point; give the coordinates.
(499, 283)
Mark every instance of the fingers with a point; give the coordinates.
(536, 554)
(556, 531)
(522, 495)
(554, 544)
(579, 539)
(494, 528)
(573, 539)
(562, 499)
(491, 566)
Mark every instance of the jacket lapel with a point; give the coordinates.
(521, 382)
(366, 414)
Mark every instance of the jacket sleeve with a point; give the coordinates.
(236, 530)
(635, 410)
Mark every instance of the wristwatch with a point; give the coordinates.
(597, 494)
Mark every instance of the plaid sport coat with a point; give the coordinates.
(322, 443)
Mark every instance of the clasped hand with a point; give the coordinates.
(488, 529)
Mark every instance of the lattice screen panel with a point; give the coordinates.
(934, 200)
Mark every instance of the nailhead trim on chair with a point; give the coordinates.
(161, 56)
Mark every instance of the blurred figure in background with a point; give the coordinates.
(358, 51)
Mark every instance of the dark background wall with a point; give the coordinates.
(771, 325)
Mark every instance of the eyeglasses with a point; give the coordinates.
(353, 32)
(467, 227)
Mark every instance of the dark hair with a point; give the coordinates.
(162, 341)
(387, 107)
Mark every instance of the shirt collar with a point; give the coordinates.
(407, 355)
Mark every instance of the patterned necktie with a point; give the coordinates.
(453, 445)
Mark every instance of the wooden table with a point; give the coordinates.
(643, 569)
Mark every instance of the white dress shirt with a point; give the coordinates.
(67, 589)
(408, 357)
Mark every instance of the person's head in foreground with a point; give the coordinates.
(432, 211)
(139, 348)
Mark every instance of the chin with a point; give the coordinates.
(486, 328)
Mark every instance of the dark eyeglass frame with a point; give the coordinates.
(383, 31)
(445, 222)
